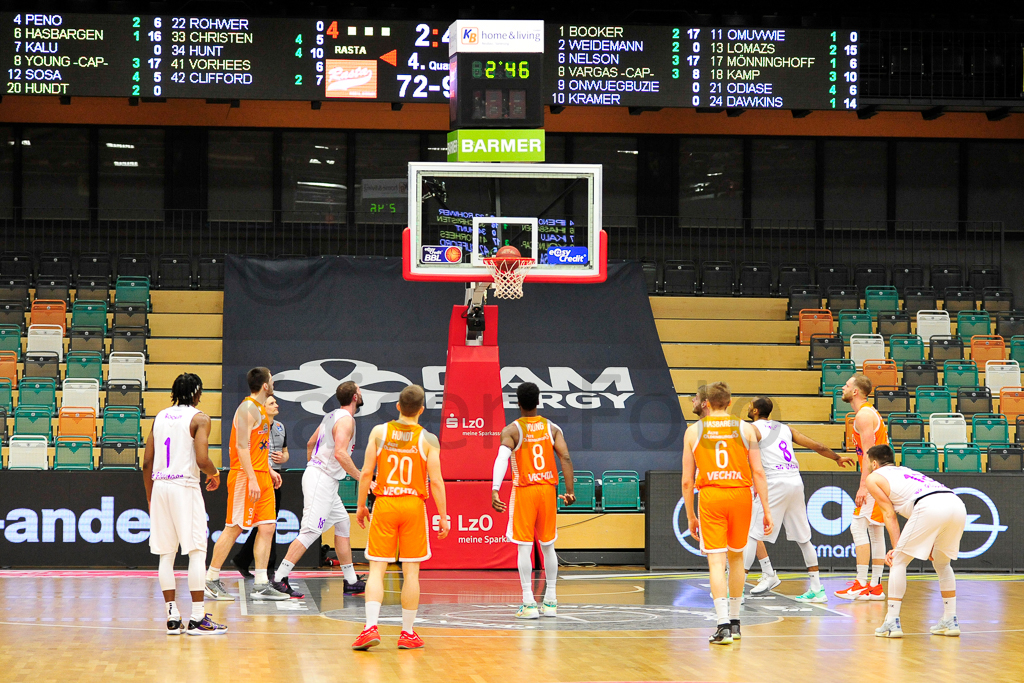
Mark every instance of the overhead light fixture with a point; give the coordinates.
(314, 161)
(26, 143)
(120, 145)
(330, 162)
(308, 183)
(127, 164)
(627, 151)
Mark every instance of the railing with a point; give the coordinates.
(645, 237)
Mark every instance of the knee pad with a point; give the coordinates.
(947, 580)
(877, 535)
(308, 537)
(859, 529)
(749, 553)
(810, 553)
(166, 572)
(197, 570)
(343, 527)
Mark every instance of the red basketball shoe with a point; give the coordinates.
(409, 641)
(852, 591)
(367, 639)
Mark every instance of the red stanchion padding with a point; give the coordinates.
(477, 538)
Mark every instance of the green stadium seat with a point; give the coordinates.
(620, 490)
(921, 456)
(583, 487)
(33, 421)
(881, 299)
(73, 453)
(834, 373)
(960, 373)
(970, 323)
(906, 347)
(10, 339)
(989, 428)
(6, 395)
(348, 490)
(1017, 349)
(38, 392)
(839, 407)
(963, 457)
(122, 424)
(132, 290)
(90, 314)
(85, 365)
(855, 321)
(933, 399)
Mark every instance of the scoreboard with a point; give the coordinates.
(261, 58)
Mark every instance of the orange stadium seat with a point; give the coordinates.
(882, 373)
(850, 417)
(814, 321)
(50, 312)
(1011, 403)
(77, 422)
(9, 367)
(986, 347)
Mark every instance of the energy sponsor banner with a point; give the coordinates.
(592, 349)
(101, 519)
(993, 539)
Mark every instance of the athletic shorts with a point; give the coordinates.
(724, 515)
(870, 511)
(177, 518)
(245, 512)
(935, 525)
(321, 505)
(398, 529)
(531, 514)
(788, 507)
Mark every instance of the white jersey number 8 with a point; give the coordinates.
(538, 457)
(401, 467)
(722, 455)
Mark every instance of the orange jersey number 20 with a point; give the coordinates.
(401, 462)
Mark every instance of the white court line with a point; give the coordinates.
(637, 589)
(241, 597)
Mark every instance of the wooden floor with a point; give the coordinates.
(108, 627)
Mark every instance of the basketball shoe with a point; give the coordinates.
(174, 626)
(528, 611)
(409, 641)
(206, 627)
(872, 593)
(947, 627)
(734, 628)
(767, 583)
(370, 637)
(852, 591)
(549, 609)
(722, 635)
(890, 629)
(215, 591)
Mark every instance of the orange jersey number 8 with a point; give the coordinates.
(402, 467)
(538, 457)
(722, 455)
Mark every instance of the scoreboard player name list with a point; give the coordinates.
(46, 51)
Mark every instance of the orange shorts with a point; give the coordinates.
(398, 529)
(245, 512)
(724, 515)
(531, 514)
(875, 516)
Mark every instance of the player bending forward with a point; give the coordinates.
(935, 523)
(405, 457)
(725, 451)
(177, 512)
(532, 443)
(785, 498)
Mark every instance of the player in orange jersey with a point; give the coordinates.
(251, 485)
(867, 526)
(405, 457)
(725, 451)
(533, 443)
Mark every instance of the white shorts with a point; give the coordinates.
(789, 508)
(177, 517)
(321, 505)
(936, 524)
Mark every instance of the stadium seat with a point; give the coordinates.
(960, 373)
(15, 288)
(866, 347)
(971, 323)
(85, 365)
(794, 275)
(28, 453)
(832, 275)
(95, 289)
(87, 339)
(42, 364)
(348, 491)
(124, 393)
(893, 322)
(80, 422)
(33, 421)
(755, 279)
(55, 289)
(936, 399)
(919, 299)
(834, 373)
(650, 271)
(853, 322)
(801, 298)
(132, 291)
(129, 340)
(210, 274)
(122, 424)
(824, 347)
(956, 299)
(54, 265)
(842, 298)
(17, 263)
(906, 275)
(119, 455)
(848, 442)
(49, 312)
(73, 453)
(947, 428)
(881, 371)
(905, 347)
(962, 457)
(9, 368)
(81, 393)
(89, 313)
(175, 272)
(1008, 457)
(943, 276)
(13, 313)
(839, 407)
(10, 339)
(127, 366)
(45, 338)
(903, 427)
(620, 490)
(989, 428)
(881, 299)
(1001, 373)
(814, 321)
(717, 278)
(92, 266)
(6, 396)
(135, 266)
(680, 278)
(920, 373)
(973, 400)
(987, 347)
(933, 323)
(3, 423)
(982, 276)
(1017, 348)
(891, 399)
(583, 488)
(996, 299)
(869, 275)
(1009, 324)
(134, 315)
(38, 393)
(921, 456)
(1011, 404)
(945, 347)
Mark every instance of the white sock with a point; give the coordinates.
(261, 576)
(948, 607)
(284, 570)
(198, 611)
(766, 566)
(172, 610)
(815, 580)
(372, 613)
(876, 574)
(349, 573)
(734, 608)
(722, 610)
(408, 619)
(212, 574)
(862, 574)
(894, 609)
(550, 572)
(524, 561)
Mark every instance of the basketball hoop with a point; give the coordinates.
(508, 274)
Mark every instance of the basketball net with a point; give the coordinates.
(508, 274)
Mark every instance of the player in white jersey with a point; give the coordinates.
(785, 498)
(177, 449)
(935, 522)
(330, 458)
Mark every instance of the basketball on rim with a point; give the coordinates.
(506, 258)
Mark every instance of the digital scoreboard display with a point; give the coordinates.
(107, 55)
(720, 68)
